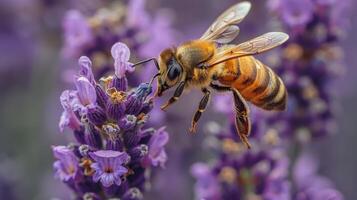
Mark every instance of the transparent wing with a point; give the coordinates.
(224, 29)
(257, 45)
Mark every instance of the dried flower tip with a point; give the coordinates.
(106, 81)
(111, 129)
(83, 150)
(86, 165)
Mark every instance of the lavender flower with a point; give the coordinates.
(113, 151)
(310, 61)
(67, 164)
(145, 35)
(157, 155)
(238, 173)
(108, 166)
(93, 35)
(294, 13)
(77, 33)
(310, 185)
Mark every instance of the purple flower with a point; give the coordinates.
(207, 186)
(66, 167)
(108, 122)
(85, 70)
(118, 22)
(85, 91)
(310, 185)
(307, 68)
(294, 13)
(238, 173)
(137, 15)
(121, 54)
(157, 154)
(77, 33)
(108, 166)
(68, 118)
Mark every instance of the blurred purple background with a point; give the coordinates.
(31, 71)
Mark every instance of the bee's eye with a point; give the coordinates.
(174, 72)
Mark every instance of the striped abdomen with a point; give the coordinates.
(256, 82)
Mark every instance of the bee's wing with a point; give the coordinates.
(257, 45)
(224, 29)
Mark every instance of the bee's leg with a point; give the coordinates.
(177, 94)
(242, 119)
(201, 108)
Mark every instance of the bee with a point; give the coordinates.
(210, 62)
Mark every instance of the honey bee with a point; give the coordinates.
(210, 62)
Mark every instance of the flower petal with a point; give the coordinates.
(86, 91)
(85, 70)
(121, 54)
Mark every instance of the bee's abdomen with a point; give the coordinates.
(259, 84)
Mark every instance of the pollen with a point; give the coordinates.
(230, 146)
(116, 96)
(293, 52)
(271, 137)
(228, 175)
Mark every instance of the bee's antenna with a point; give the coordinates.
(152, 79)
(147, 60)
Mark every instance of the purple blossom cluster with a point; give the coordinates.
(113, 154)
(242, 174)
(279, 166)
(264, 172)
(309, 62)
(93, 35)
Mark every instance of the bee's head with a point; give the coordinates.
(170, 71)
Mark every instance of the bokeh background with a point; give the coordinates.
(32, 67)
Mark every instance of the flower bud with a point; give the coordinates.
(128, 122)
(121, 84)
(93, 137)
(102, 98)
(96, 116)
(138, 152)
(79, 135)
